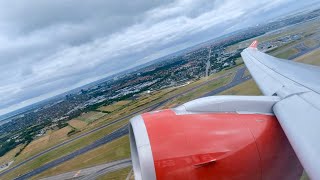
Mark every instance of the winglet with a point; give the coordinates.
(254, 44)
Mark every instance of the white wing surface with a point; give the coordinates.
(298, 111)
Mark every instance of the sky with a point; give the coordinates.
(48, 47)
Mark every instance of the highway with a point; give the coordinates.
(238, 78)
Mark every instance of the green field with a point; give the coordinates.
(115, 150)
(36, 146)
(311, 43)
(198, 93)
(114, 106)
(312, 58)
(10, 156)
(64, 150)
(247, 88)
(287, 53)
(90, 117)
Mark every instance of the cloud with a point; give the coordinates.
(48, 47)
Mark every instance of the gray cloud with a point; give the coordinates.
(48, 47)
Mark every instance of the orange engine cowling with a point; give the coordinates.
(165, 145)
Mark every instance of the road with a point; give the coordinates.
(92, 172)
(238, 78)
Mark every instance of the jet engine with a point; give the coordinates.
(209, 139)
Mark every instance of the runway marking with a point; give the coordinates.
(77, 174)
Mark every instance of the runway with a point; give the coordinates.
(92, 172)
(116, 166)
(108, 138)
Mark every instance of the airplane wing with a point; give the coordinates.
(298, 111)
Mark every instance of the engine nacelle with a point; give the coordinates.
(169, 145)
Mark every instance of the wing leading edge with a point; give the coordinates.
(298, 111)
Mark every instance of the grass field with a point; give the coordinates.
(197, 93)
(287, 53)
(54, 137)
(116, 175)
(43, 143)
(91, 116)
(239, 61)
(64, 150)
(311, 43)
(246, 73)
(114, 106)
(310, 58)
(10, 156)
(115, 150)
(78, 124)
(247, 88)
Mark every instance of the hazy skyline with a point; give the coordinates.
(49, 47)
